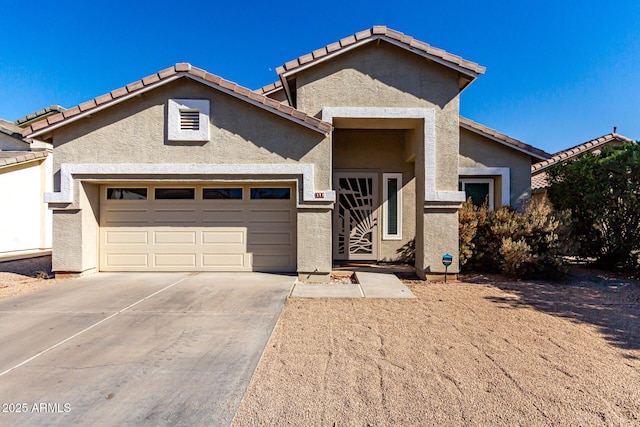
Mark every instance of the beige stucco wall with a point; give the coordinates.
(314, 238)
(382, 150)
(134, 131)
(477, 151)
(383, 75)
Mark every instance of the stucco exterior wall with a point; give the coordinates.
(26, 222)
(477, 151)
(383, 75)
(135, 132)
(314, 237)
(76, 233)
(382, 150)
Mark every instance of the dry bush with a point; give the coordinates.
(527, 244)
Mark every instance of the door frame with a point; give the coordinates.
(375, 181)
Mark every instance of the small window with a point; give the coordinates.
(392, 206)
(126, 194)
(480, 190)
(175, 193)
(271, 193)
(222, 193)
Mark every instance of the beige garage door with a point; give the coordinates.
(197, 228)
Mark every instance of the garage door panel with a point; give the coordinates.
(126, 237)
(174, 216)
(120, 260)
(183, 260)
(125, 216)
(224, 237)
(225, 217)
(266, 261)
(197, 235)
(270, 238)
(227, 261)
(174, 237)
(268, 216)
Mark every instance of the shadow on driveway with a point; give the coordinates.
(609, 302)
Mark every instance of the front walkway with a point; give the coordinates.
(370, 285)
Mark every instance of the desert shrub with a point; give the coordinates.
(528, 244)
(469, 217)
(602, 192)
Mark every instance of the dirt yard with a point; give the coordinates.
(481, 352)
(18, 277)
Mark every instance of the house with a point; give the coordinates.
(539, 182)
(357, 154)
(25, 175)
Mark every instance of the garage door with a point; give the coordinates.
(197, 228)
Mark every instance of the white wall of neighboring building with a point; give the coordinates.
(25, 221)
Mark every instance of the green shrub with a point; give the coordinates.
(527, 244)
(602, 192)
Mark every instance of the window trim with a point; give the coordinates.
(488, 180)
(385, 206)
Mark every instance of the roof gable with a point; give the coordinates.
(503, 139)
(380, 32)
(180, 70)
(468, 70)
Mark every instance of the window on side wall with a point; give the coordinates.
(188, 120)
(392, 206)
(479, 189)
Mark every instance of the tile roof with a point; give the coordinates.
(52, 109)
(572, 152)
(539, 181)
(378, 32)
(504, 139)
(270, 88)
(10, 158)
(178, 70)
(10, 127)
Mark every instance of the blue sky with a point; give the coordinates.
(559, 73)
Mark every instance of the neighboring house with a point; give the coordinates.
(25, 175)
(539, 182)
(357, 154)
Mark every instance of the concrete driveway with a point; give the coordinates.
(136, 348)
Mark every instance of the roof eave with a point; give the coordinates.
(159, 83)
(501, 141)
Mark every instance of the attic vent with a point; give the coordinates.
(189, 120)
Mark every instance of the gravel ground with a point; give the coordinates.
(18, 277)
(482, 352)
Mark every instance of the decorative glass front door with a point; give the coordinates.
(355, 220)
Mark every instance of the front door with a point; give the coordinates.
(355, 219)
